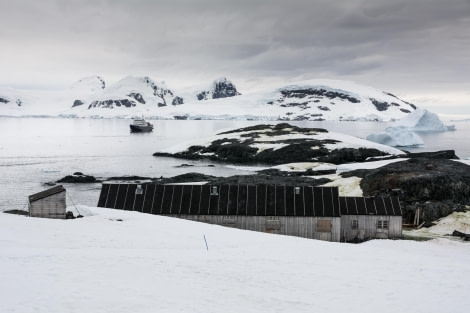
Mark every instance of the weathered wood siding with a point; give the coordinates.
(367, 227)
(305, 227)
(52, 206)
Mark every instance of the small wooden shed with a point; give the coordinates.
(367, 218)
(50, 203)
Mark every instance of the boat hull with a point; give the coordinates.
(141, 129)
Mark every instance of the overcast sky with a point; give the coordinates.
(416, 49)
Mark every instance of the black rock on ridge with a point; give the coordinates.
(221, 88)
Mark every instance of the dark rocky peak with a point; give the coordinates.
(221, 88)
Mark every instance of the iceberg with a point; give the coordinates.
(396, 136)
(402, 133)
(423, 121)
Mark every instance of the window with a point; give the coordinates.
(324, 226)
(139, 190)
(382, 224)
(214, 191)
(354, 224)
(273, 224)
(297, 190)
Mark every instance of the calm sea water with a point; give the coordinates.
(34, 151)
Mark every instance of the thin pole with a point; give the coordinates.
(73, 204)
(207, 247)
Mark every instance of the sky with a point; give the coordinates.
(417, 50)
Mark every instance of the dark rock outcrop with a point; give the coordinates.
(2, 100)
(177, 100)
(381, 106)
(137, 96)
(78, 177)
(221, 88)
(224, 88)
(435, 186)
(77, 103)
(110, 104)
(315, 93)
(244, 149)
(443, 154)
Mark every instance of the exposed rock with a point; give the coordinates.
(381, 106)
(435, 186)
(17, 212)
(177, 100)
(246, 147)
(221, 88)
(110, 104)
(224, 88)
(78, 177)
(77, 103)
(443, 154)
(2, 100)
(130, 178)
(181, 117)
(203, 95)
(18, 102)
(316, 93)
(137, 96)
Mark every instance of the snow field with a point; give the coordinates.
(147, 263)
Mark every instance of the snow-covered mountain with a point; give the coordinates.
(137, 96)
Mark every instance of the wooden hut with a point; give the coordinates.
(304, 211)
(365, 218)
(49, 203)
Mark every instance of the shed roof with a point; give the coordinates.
(46, 193)
(370, 206)
(248, 200)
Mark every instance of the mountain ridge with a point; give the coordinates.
(135, 96)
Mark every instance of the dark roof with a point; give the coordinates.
(46, 193)
(370, 206)
(248, 200)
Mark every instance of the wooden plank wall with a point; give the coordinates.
(53, 206)
(305, 227)
(367, 227)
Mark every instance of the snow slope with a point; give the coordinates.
(137, 96)
(117, 261)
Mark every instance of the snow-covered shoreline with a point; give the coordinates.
(119, 261)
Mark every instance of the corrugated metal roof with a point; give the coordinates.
(249, 200)
(46, 193)
(370, 206)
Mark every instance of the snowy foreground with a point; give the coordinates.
(118, 261)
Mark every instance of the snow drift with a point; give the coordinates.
(119, 261)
